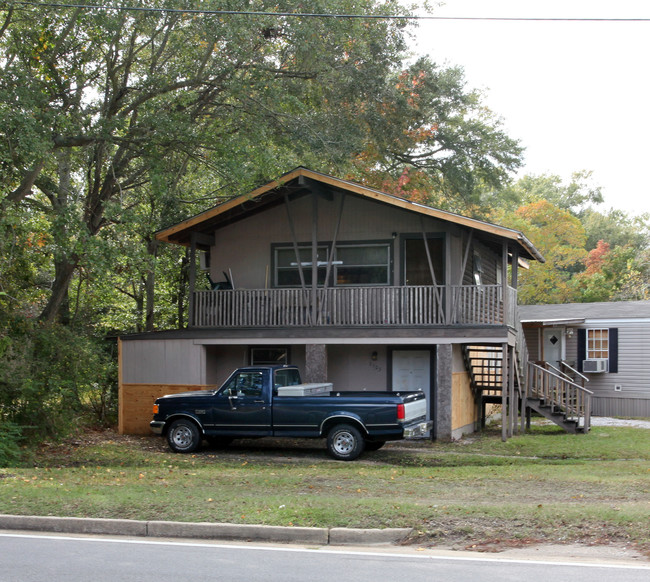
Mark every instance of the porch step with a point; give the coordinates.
(554, 414)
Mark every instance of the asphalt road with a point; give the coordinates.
(37, 557)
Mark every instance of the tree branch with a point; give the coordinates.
(7, 21)
(25, 188)
(73, 141)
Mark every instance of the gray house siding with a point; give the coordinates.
(152, 361)
(244, 249)
(627, 392)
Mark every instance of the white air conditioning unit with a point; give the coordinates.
(595, 366)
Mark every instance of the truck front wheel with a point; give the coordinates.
(344, 442)
(183, 436)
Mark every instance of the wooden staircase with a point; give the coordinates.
(485, 366)
(558, 398)
(535, 388)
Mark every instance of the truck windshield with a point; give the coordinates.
(286, 377)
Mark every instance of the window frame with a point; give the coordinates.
(275, 248)
(267, 362)
(333, 281)
(388, 246)
(591, 349)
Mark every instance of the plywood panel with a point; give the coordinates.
(464, 410)
(136, 403)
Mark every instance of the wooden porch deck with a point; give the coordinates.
(441, 305)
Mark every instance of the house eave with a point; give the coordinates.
(415, 335)
(273, 193)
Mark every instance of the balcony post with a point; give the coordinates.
(505, 415)
(504, 284)
(191, 318)
(515, 269)
(314, 258)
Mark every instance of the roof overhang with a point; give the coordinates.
(548, 322)
(302, 181)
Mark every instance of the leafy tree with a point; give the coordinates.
(613, 274)
(437, 144)
(107, 110)
(560, 238)
(591, 255)
(572, 197)
(617, 228)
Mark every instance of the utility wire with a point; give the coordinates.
(320, 15)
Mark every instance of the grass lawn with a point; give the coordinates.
(545, 486)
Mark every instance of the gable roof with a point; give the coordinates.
(273, 193)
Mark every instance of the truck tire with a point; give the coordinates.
(344, 442)
(183, 436)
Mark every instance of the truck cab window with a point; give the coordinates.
(245, 384)
(288, 377)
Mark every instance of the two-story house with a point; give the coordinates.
(357, 287)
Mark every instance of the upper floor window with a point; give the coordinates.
(353, 264)
(287, 273)
(363, 264)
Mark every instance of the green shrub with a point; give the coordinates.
(10, 437)
(53, 375)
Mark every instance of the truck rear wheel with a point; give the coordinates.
(344, 442)
(183, 436)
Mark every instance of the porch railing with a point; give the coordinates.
(353, 306)
(557, 391)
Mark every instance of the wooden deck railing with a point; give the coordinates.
(555, 390)
(352, 306)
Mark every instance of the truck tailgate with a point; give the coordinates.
(414, 409)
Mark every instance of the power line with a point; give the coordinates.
(321, 15)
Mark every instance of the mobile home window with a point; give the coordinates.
(597, 344)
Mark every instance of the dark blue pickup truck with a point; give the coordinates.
(261, 401)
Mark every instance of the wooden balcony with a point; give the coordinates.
(354, 307)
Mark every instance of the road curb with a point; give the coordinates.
(206, 531)
(80, 525)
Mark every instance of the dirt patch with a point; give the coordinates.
(489, 535)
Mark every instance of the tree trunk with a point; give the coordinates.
(58, 306)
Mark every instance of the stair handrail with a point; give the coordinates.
(558, 371)
(574, 371)
(571, 398)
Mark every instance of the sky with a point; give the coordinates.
(576, 94)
